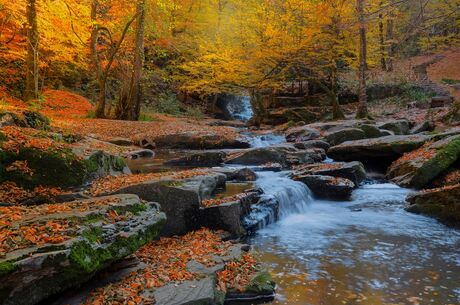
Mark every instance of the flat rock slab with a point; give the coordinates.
(200, 159)
(101, 231)
(391, 147)
(199, 292)
(353, 171)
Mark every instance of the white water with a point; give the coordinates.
(242, 111)
(258, 141)
(293, 197)
(325, 252)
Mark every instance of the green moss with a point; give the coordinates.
(93, 235)
(443, 159)
(107, 163)
(91, 257)
(262, 281)
(136, 209)
(7, 268)
(219, 297)
(54, 168)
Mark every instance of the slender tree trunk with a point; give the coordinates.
(32, 72)
(383, 63)
(96, 64)
(362, 107)
(337, 113)
(135, 97)
(390, 37)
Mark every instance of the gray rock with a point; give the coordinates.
(312, 144)
(198, 292)
(192, 140)
(327, 186)
(442, 203)
(179, 199)
(371, 131)
(301, 134)
(384, 133)
(238, 174)
(200, 159)
(353, 171)
(422, 127)
(391, 147)
(75, 260)
(399, 127)
(423, 167)
(139, 154)
(344, 135)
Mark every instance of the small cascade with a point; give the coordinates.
(258, 141)
(293, 197)
(240, 108)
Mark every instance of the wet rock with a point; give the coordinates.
(297, 114)
(312, 144)
(33, 274)
(371, 131)
(206, 158)
(344, 135)
(353, 171)
(422, 127)
(198, 292)
(425, 164)
(442, 203)
(261, 289)
(391, 147)
(139, 154)
(285, 155)
(399, 127)
(229, 216)
(328, 187)
(302, 134)
(193, 140)
(330, 127)
(238, 174)
(262, 213)
(179, 199)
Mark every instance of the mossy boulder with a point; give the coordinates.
(50, 167)
(421, 167)
(441, 203)
(344, 135)
(399, 127)
(31, 274)
(377, 149)
(30, 119)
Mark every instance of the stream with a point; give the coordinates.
(365, 251)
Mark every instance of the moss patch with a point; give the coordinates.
(262, 282)
(6, 268)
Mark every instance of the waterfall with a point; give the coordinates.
(240, 108)
(293, 197)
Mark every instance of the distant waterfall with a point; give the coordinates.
(240, 108)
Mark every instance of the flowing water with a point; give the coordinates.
(366, 251)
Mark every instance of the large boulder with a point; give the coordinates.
(441, 203)
(328, 187)
(418, 168)
(371, 131)
(200, 159)
(344, 135)
(285, 155)
(68, 243)
(302, 134)
(30, 119)
(353, 171)
(237, 174)
(229, 215)
(312, 144)
(389, 147)
(193, 140)
(285, 115)
(399, 127)
(179, 199)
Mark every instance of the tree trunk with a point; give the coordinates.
(383, 63)
(337, 113)
(101, 81)
(362, 107)
(129, 104)
(391, 51)
(32, 73)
